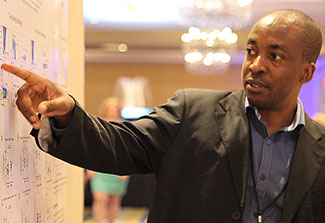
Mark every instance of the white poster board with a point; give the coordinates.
(33, 35)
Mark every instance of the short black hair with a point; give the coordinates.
(311, 35)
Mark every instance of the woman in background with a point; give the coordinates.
(107, 189)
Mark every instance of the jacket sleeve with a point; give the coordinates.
(118, 147)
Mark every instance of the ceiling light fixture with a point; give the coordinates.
(209, 42)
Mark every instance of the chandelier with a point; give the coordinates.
(206, 52)
(209, 42)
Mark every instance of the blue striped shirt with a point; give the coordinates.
(272, 156)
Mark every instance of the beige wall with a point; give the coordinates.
(164, 80)
(75, 86)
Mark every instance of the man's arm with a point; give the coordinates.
(91, 142)
(40, 95)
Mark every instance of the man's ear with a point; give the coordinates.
(308, 73)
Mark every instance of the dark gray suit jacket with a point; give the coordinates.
(197, 145)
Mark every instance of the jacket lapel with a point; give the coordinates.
(308, 156)
(234, 131)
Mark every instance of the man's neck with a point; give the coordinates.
(277, 119)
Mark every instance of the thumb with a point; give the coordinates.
(56, 107)
(42, 107)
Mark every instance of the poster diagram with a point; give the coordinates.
(33, 36)
(8, 209)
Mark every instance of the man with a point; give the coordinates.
(249, 156)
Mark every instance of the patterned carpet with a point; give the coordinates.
(126, 215)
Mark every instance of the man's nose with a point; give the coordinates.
(258, 65)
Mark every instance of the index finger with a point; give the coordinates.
(26, 75)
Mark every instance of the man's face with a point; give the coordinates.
(273, 65)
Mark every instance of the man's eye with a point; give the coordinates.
(249, 51)
(276, 56)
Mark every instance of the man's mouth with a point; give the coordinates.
(255, 85)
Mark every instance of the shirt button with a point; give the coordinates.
(262, 177)
(236, 215)
(268, 142)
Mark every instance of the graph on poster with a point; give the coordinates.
(33, 36)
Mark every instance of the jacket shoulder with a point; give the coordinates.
(203, 94)
(315, 129)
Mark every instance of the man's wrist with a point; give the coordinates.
(62, 121)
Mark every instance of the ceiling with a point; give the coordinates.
(160, 43)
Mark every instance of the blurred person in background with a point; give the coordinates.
(107, 189)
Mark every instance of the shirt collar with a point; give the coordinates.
(299, 118)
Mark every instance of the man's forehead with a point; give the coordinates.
(267, 21)
(278, 22)
(270, 33)
(274, 28)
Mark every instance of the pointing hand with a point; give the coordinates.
(40, 95)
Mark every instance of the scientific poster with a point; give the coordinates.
(33, 36)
